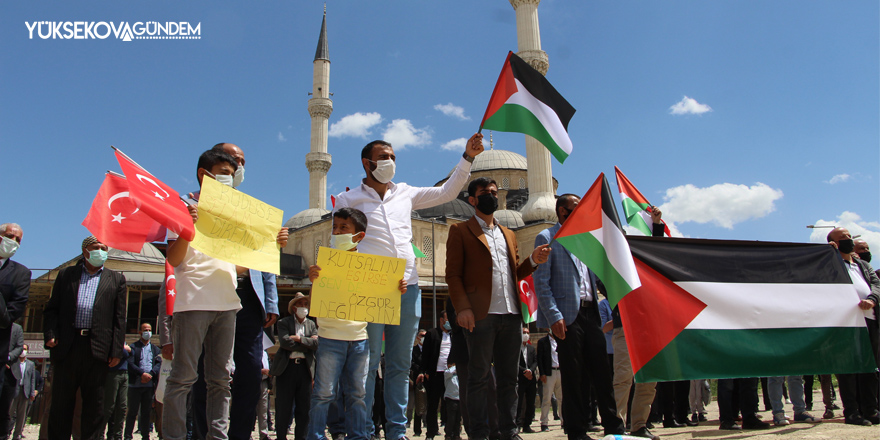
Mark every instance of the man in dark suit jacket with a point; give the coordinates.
(294, 368)
(528, 383)
(143, 376)
(83, 327)
(15, 283)
(482, 271)
(435, 355)
(568, 305)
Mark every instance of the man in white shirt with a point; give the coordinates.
(388, 207)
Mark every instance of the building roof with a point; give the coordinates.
(510, 219)
(456, 208)
(497, 160)
(306, 218)
(323, 51)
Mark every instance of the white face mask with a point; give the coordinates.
(8, 247)
(343, 242)
(24, 353)
(223, 178)
(238, 177)
(384, 171)
(525, 338)
(302, 312)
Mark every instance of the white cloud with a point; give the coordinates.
(452, 110)
(281, 137)
(869, 231)
(725, 204)
(689, 106)
(401, 133)
(455, 144)
(355, 125)
(839, 178)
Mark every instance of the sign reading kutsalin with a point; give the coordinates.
(237, 228)
(357, 287)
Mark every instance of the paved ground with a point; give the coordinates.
(828, 429)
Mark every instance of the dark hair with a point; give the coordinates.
(480, 182)
(367, 152)
(562, 200)
(442, 314)
(212, 157)
(357, 217)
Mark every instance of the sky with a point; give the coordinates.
(742, 120)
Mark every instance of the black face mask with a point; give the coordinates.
(487, 203)
(865, 256)
(846, 245)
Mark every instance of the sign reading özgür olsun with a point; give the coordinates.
(123, 30)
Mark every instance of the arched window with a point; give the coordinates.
(522, 183)
(318, 244)
(428, 249)
(505, 183)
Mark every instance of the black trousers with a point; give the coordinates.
(525, 413)
(453, 419)
(8, 390)
(79, 370)
(737, 395)
(140, 402)
(293, 391)
(859, 392)
(582, 361)
(247, 380)
(674, 400)
(493, 347)
(435, 388)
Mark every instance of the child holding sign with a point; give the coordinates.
(343, 351)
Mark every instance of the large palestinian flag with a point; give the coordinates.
(725, 309)
(524, 102)
(593, 234)
(636, 207)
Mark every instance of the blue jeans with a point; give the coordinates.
(398, 357)
(795, 392)
(339, 363)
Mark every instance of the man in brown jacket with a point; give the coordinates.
(482, 271)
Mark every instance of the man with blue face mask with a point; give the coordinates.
(83, 328)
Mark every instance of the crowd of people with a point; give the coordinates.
(478, 371)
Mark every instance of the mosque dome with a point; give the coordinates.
(497, 160)
(305, 218)
(509, 219)
(456, 208)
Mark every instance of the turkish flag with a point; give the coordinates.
(528, 300)
(170, 288)
(157, 199)
(116, 220)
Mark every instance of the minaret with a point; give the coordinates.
(320, 107)
(542, 200)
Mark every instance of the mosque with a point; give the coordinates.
(526, 188)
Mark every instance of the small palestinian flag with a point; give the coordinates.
(524, 102)
(636, 207)
(593, 234)
(712, 309)
(528, 300)
(417, 252)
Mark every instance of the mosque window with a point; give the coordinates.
(317, 246)
(522, 183)
(428, 249)
(505, 183)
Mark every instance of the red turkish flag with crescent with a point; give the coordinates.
(116, 220)
(157, 199)
(170, 288)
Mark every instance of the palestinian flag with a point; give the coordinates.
(528, 300)
(636, 207)
(725, 309)
(593, 234)
(525, 102)
(417, 252)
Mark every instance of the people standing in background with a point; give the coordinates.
(27, 390)
(143, 375)
(116, 397)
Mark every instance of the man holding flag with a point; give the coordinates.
(568, 306)
(482, 273)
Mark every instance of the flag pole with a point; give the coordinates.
(128, 158)
(114, 173)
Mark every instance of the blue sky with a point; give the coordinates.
(780, 129)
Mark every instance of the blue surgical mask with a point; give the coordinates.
(447, 326)
(97, 257)
(146, 335)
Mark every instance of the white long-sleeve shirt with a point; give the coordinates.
(389, 221)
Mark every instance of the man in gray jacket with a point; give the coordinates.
(26, 373)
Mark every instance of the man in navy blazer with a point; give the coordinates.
(568, 305)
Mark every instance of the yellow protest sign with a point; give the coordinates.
(237, 228)
(357, 287)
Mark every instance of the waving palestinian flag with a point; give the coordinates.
(636, 207)
(723, 309)
(525, 102)
(593, 234)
